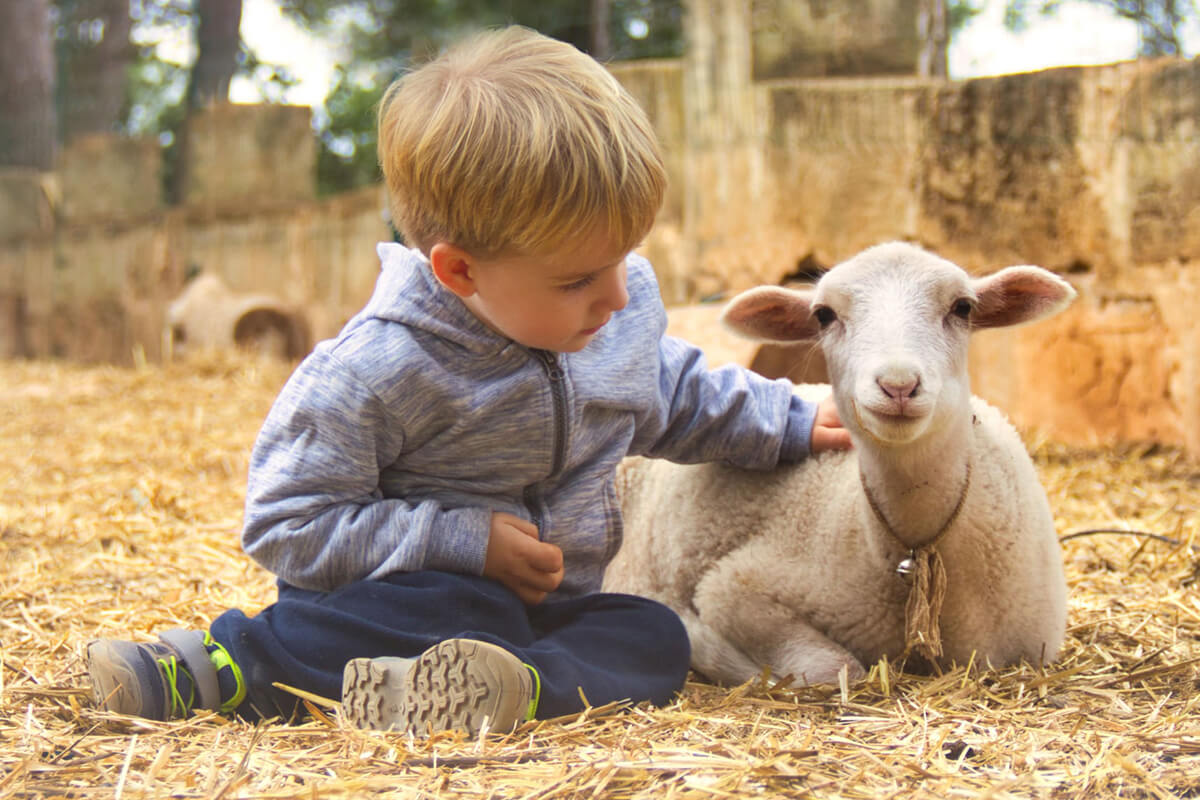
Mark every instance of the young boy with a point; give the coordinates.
(434, 486)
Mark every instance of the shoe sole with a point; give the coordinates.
(459, 684)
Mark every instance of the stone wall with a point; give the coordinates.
(249, 159)
(91, 256)
(1092, 172)
(819, 38)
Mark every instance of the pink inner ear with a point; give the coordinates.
(771, 313)
(1017, 295)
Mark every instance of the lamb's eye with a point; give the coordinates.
(961, 309)
(825, 316)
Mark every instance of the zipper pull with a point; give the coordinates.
(553, 370)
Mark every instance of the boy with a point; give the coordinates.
(434, 486)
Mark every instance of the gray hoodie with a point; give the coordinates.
(391, 445)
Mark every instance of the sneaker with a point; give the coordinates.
(166, 679)
(458, 684)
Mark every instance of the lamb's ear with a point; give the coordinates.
(1016, 295)
(772, 314)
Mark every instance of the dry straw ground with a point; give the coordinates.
(120, 500)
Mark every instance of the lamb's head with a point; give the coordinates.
(893, 324)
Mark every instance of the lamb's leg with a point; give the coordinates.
(811, 657)
(791, 647)
(715, 656)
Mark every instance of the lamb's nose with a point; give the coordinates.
(897, 390)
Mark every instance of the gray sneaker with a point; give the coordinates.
(154, 680)
(458, 684)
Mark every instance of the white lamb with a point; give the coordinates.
(838, 561)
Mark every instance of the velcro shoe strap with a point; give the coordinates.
(190, 645)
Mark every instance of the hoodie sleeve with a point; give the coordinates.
(728, 414)
(698, 414)
(315, 515)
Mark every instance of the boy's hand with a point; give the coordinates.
(827, 432)
(530, 568)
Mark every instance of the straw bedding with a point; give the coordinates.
(120, 504)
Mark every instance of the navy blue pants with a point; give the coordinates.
(610, 646)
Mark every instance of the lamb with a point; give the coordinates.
(930, 541)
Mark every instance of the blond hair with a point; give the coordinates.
(514, 142)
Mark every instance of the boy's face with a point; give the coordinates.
(557, 301)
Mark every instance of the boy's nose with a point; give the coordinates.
(617, 296)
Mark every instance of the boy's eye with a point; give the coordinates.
(586, 280)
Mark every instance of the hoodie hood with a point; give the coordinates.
(408, 293)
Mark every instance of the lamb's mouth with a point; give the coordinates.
(907, 416)
(886, 426)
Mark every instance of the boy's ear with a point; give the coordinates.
(454, 268)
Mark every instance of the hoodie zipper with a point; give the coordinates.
(558, 393)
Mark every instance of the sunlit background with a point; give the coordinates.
(336, 56)
(1078, 33)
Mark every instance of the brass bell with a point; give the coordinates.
(907, 568)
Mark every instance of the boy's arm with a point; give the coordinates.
(728, 414)
(731, 414)
(315, 515)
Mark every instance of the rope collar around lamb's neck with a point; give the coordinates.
(925, 574)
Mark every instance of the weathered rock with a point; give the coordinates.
(244, 159)
(810, 38)
(110, 179)
(26, 203)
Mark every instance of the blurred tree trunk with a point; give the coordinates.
(933, 30)
(28, 125)
(93, 67)
(601, 45)
(218, 42)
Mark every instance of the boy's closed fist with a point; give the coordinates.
(530, 568)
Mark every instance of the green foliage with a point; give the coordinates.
(647, 29)
(395, 30)
(271, 80)
(383, 37)
(154, 105)
(1160, 22)
(960, 12)
(346, 128)
(1018, 12)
